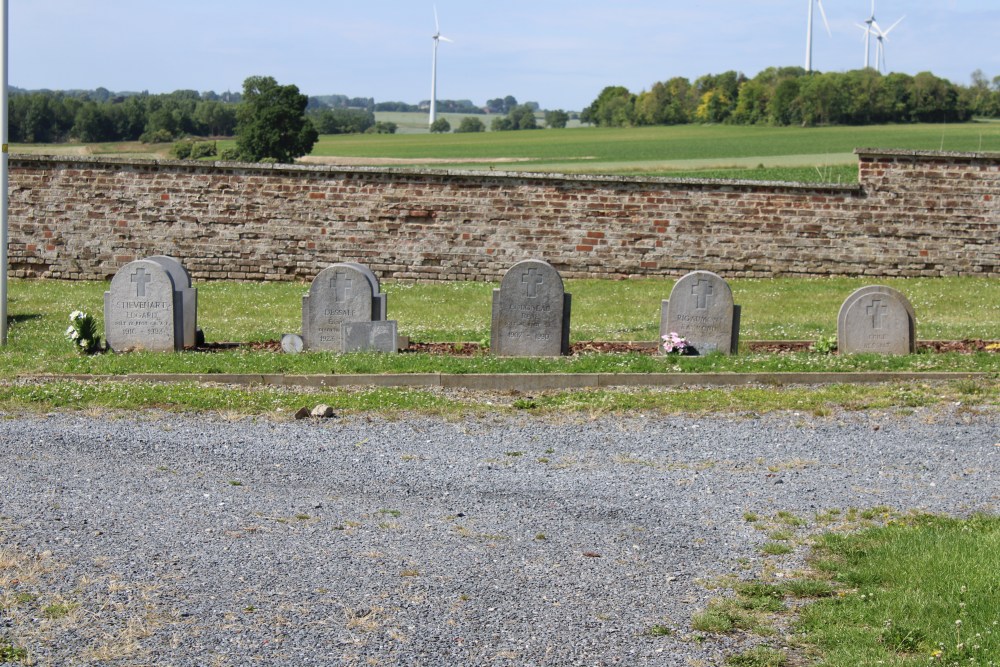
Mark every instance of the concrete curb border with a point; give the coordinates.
(533, 381)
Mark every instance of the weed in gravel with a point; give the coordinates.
(659, 631)
(827, 516)
(11, 653)
(776, 548)
(367, 619)
(58, 610)
(712, 620)
(759, 656)
(789, 519)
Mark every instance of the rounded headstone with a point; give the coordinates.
(701, 310)
(530, 312)
(340, 293)
(876, 319)
(139, 309)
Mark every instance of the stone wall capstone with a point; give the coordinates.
(912, 214)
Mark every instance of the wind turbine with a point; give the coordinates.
(883, 36)
(438, 37)
(867, 27)
(809, 31)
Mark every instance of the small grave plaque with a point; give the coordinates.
(531, 312)
(141, 311)
(701, 309)
(377, 336)
(876, 319)
(344, 293)
(291, 343)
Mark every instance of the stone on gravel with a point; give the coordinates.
(322, 411)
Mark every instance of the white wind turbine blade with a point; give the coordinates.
(885, 33)
(445, 39)
(823, 14)
(437, 26)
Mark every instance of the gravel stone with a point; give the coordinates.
(197, 540)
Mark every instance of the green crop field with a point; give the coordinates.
(659, 150)
(823, 154)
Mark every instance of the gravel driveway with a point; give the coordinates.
(195, 540)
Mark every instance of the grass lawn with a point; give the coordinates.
(781, 309)
(920, 590)
(881, 588)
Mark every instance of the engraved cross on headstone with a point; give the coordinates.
(140, 278)
(877, 310)
(342, 285)
(531, 279)
(703, 293)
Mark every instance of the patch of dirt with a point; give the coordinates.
(375, 161)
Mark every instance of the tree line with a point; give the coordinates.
(792, 96)
(102, 116)
(95, 116)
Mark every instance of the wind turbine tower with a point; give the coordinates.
(883, 36)
(438, 37)
(809, 31)
(867, 27)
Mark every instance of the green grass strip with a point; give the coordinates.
(780, 309)
(917, 592)
(280, 402)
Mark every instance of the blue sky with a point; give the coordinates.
(559, 53)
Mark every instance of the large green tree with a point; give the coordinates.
(271, 122)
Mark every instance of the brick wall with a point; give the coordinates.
(913, 214)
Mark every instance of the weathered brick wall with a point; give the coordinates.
(913, 214)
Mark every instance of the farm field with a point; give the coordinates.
(823, 154)
(657, 150)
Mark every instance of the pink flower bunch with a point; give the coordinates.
(674, 344)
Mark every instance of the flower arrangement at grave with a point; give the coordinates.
(82, 333)
(675, 344)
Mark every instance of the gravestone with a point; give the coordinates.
(345, 312)
(876, 319)
(142, 309)
(701, 309)
(531, 312)
(374, 336)
(187, 298)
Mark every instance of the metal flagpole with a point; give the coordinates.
(3, 173)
